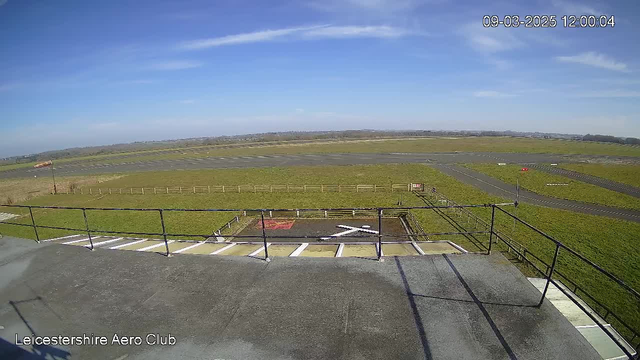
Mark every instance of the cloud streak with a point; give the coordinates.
(492, 94)
(174, 65)
(298, 33)
(594, 59)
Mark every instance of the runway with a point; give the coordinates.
(83, 168)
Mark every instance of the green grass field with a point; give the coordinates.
(536, 181)
(435, 144)
(626, 174)
(609, 242)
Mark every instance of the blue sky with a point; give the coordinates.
(80, 73)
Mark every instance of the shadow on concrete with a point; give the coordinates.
(416, 314)
(484, 311)
(10, 350)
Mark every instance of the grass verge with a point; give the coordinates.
(536, 181)
(626, 174)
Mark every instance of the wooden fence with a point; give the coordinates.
(209, 189)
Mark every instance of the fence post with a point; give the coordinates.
(131, 190)
(194, 189)
(222, 188)
(99, 191)
(155, 191)
(180, 189)
(264, 238)
(553, 265)
(493, 216)
(90, 191)
(109, 191)
(86, 224)
(209, 189)
(164, 233)
(380, 235)
(142, 190)
(35, 228)
(167, 189)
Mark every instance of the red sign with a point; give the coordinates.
(273, 224)
(43, 164)
(525, 169)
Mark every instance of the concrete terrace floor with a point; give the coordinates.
(434, 307)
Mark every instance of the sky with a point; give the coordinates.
(82, 73)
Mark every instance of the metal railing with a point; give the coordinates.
(379, 212)
(551, 270)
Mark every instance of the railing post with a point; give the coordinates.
(264, 238)
(380, 235)
(553, 266)
(493, 216)
(86, 224)
(164, 233)
(33, 223)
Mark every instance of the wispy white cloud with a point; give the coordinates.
(594, 59)
(298, 33)
(174, 65)
(252, 37)
(492, 94)
(489, 40)
(573, 8)
(338, 32)
(2, 2)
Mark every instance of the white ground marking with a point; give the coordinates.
(351, 229)
(103, 242)
(418, 249)
(155, 246)
(127, 244)
(77, 241)
(223, 249)
(340, 248)
(61, 238)
(299, 250)
(259, 250)
(188, 247)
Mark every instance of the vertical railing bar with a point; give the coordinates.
(553, 266)
(33, 223)
(264, 238)
(493, 216)
(86, 224)
(380, 235)
(164, 233)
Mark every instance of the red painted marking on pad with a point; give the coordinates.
(275, 224)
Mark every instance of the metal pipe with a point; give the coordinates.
(164, 233)
(35, 228)
(86, 224)
(264, 238)
(379, 234)
(53, 175)
(493, 216)
(553, 266)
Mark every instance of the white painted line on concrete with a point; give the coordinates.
(259, 250)
(189, 247)
(76, 241)
(340, 248)
(155, 246)
(591, 326)
(458, 247)
(127, 244)
(418, 248)
(103, 242)
(381, 253)
(299, 250)
(61, 238)
(223, 249)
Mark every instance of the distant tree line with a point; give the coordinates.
(611, 139)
